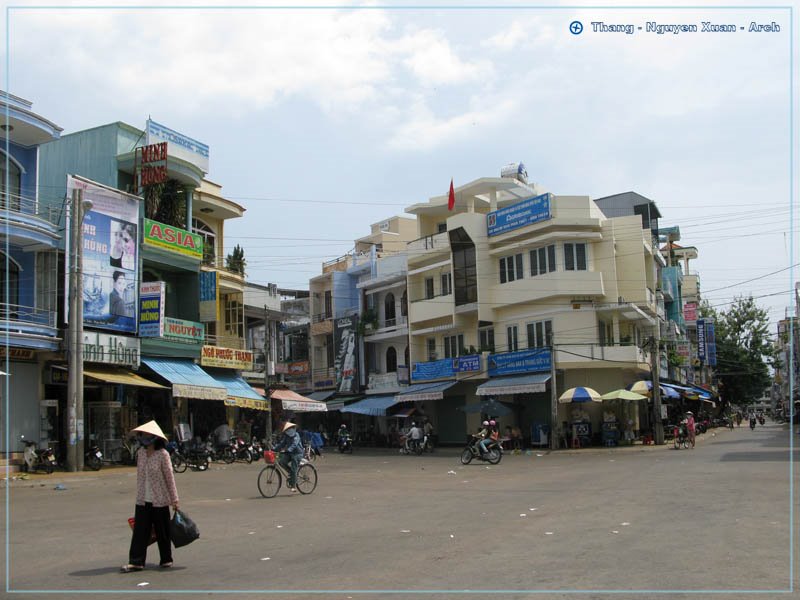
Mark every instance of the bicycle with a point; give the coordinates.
(271, 477)
(309, 453)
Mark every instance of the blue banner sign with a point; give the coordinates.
(711, 344)
(701, 340)
(446, 367)
(519, 215)
(522, 361)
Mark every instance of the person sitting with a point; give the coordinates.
(291, 448)
(516, 438)
(414, 437)
(478, 438)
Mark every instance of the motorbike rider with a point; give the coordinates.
(427, 431)
(343, 435)
(414, 436)
(290, 445)
(479, 437)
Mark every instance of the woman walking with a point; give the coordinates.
(155, 493)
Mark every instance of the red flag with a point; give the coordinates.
(451, 200)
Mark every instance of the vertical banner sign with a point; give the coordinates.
(151, 309)
(110, 238)
(711, 344)
(209, 296)
(346, 360)
(701, 340)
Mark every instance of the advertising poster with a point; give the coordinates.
(110, 239)
(151, 309)
(346, 360)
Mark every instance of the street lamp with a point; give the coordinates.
(78, 207)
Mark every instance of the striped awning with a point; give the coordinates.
(420, 392)
(518, 384)
(187, 379)
(371, 405)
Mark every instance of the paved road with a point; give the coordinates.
(595, 521)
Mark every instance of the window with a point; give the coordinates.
(9, 287)
(453, 345)
(512, 338)
(540, 334)
(574, 257)
(486, 339)
(431, 347)
(428, 288)
(404, 304)
(388, 310)
(10, 183)
(447, 284)
(543, 260)
(391, 360)
(511, 268)
(441, 227)
(234, 314)
(209, 241)
(465, 273)
(328, 304)
(329, 351)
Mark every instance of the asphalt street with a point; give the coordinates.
(638, 522)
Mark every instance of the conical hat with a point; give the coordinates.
(152, 428)
(287, 425)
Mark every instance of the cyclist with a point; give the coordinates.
(291, 448)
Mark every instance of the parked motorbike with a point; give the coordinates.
(345, 444)
(93, 458)
(241, 450)
(194, 456)
(35, 458)
(494, 452)
(224, 452)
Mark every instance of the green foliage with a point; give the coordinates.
(744, 349)
(235, 261)
(166, 203)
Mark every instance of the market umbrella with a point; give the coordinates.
(489, 407)
(640, 387)
(579, 394)
(623, 395)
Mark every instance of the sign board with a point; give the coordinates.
(711, 344)
(178, 145)
(346, 354)
(179, 330)
(523, 361)
(690, 312)
(445, 367)
(209, 296)
(701, 340)
(521, 214)
(152, 172)
(110, 349)
(298, 368)
(16, 353)
(173, 239)
(226, 358)
(110, 247)
(151, 309)
(683, 350)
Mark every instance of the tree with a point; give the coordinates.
(744, 349)
(235, 260)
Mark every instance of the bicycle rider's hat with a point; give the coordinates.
(151, 428)
(287, 425)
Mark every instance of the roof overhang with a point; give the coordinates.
(507, 191)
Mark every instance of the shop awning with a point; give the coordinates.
(187, 379)
(240, 393)
(296, 403)
(406, 412)
(321, 396)
(518, 384)
(371, 405)
(121, 377)
(420, 392)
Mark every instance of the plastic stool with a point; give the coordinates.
(647, 440)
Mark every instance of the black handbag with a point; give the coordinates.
(182, 529)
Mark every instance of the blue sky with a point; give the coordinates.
(321, 122)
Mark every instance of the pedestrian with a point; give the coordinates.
(690, 427)
(291, 448)
(155, 493)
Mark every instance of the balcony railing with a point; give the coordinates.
(225, 341)
(29, 206)
(220, 264)
(325, 377)
(437, 241)
(16, 313)
(318, 318)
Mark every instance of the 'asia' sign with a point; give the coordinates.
(151, 309)
(173, 239)
(226, 358)
(519, 215)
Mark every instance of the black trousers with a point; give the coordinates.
(149, 517)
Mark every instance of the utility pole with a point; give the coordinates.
(658, 425)
(553, 398)
(266, 374)
(78, 208)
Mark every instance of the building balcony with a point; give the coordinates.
(389, 328)
(321, 324)
(424, 248)
(427, 309)
(383, 382)
(29, 327)
(23, 223)
(573, 284)
(589, 356)
(226, 341)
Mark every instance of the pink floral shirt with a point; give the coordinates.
(158, 467)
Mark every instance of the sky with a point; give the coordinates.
(322, 121)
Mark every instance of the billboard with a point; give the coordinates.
(209, 296)
(173, 239)
(110, 267)
(445, 367)
(178, 145)
(532, 360)
(151, 309)
(701, 340)
(519, 215)
(345, 344)
(711, 344)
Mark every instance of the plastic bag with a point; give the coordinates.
(182, 529)
(132, 522)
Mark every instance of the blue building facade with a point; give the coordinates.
(30, 233)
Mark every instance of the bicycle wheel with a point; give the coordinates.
(178, 464)
(306, 479)
(269, 481)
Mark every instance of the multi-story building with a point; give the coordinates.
(30, 232)
(163, 315)
(513, 280)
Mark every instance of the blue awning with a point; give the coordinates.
(372, 405)
(321, 396)
(424, 391)
(187, 379)
(236, 386)
(703, 393)
(693, 391)
(518, 384)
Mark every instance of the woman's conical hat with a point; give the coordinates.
(152, 428)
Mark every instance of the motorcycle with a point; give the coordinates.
(345, 444)
(195, 456)
(242, 450)
(93, 458)
(494, 452)
(752, 422)
(409, 445)
(35, 458)
(761, 419)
